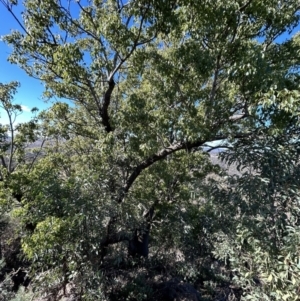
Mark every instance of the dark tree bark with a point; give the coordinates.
(139, 244)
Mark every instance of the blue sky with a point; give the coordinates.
(30, 93)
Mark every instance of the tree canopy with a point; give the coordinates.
(142, 92)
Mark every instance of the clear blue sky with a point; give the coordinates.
(30, 92)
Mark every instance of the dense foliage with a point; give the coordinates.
(111, 194)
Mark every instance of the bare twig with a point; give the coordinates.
(37, 154)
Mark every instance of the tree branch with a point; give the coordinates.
(104, 110)
(37, 155)
(9, 8)
(166, 152)
(111, 83)
(115, 238)
(244, 6)
(3, 162)
(12, 133)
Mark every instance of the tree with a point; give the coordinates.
(14, 138)
(16, 161)
(151, 86)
